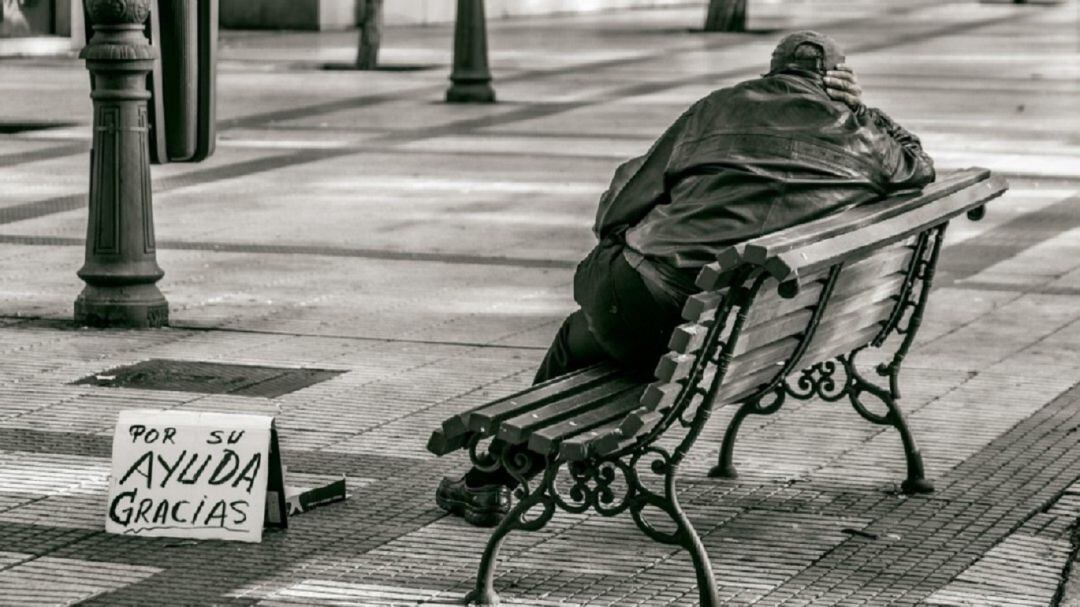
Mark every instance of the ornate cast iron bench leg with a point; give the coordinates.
(684, 534)
(513, 461)
(912, 307)
(725, 468)
(819, 380)
(916, 474)
(593, 488)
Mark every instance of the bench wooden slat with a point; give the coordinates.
(577, 448)
(486, 419)
(737, 389)
(804, 260)
(441, 443)
(637, 421)
(546, 440)
(795, 322)
(660, 394)
(770, 304)
(689, 337)
(830, 328)
(674, 366)
(761, 334)
(612, 442)
(717, 274)
(701, 306)
(734, 389)
(459, 424)
(517, 429)
(831, 349)
(757, 251)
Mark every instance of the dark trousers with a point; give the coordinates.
(619, 321)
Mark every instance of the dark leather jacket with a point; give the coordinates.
(750, 159)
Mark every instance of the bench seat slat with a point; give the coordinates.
(701, 306)
(577, 448)
(486, 419)
(546, 440)
(517, 429)
(619, 439)
(660, 394)
(674, 366)
(689, 337)
(441, 443)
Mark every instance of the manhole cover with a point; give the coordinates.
(209, 378)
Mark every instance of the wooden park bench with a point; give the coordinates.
(803, 302)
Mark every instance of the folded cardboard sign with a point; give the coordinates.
(195, 475)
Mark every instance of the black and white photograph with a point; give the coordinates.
(540, 303)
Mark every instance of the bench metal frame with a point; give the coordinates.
(820, 380)
(595, 480)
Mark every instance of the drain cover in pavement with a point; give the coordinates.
(209, 378)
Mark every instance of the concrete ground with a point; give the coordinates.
(351, 221)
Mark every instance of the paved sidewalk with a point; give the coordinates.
(351, 221)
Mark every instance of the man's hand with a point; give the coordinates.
(842, 85)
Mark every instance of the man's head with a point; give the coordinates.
(807, 50)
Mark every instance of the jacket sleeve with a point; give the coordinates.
(907, 166)
(638, 185)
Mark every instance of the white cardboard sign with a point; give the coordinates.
(193, 475)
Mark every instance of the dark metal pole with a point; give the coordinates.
(371, 24)
(121, 265)
(471, 77)
(726, 16)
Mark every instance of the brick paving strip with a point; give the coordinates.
(977, 505)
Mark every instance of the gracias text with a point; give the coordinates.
(222, 478)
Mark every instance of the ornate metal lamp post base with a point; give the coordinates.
(137, 306)
(471, 77)
(121, 264)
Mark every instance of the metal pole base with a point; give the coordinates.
(914, 486)
(470, 92)
(723, 471)
(133, 306)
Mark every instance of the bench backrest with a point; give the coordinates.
(788, 300)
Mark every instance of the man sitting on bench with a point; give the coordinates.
(763, 155)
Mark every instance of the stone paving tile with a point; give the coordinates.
(60, 581)
(1025, 568)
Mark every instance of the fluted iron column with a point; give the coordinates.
(121, 262)
(471, 77)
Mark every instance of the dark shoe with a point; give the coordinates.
(482, 506)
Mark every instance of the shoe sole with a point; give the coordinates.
(467, 512)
